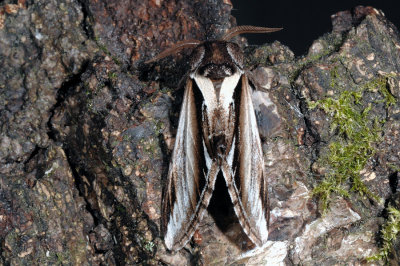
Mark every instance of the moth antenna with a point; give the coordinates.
(247, 29)
(174, 49)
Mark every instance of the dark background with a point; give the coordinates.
(303, 21)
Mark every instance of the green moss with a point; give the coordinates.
(328, 186)
(348, 154)
(149, 246)
(112, 75)
(380, 84)
(159, 127)
(127, 137)
(389, 232)
(334, 77)
(357, 133)
(62, 258)
(394, 167)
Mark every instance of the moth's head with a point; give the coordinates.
(215, 59)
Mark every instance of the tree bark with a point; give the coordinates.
(87, 131)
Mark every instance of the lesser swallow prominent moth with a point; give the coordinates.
(217, 135)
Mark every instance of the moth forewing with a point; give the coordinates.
(217, 136)
(184, 176)
(190, 184)
(251, 174)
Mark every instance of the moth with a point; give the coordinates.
(217, 135)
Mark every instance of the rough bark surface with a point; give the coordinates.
(87, 131)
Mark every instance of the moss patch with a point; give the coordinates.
(389, 232)
(379, 84)
(348, 154)
(357, 132)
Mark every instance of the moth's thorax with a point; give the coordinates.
(216, 68)
(217, 59)
(218, 114)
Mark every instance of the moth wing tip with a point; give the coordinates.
(169, 243)
(262, 237)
